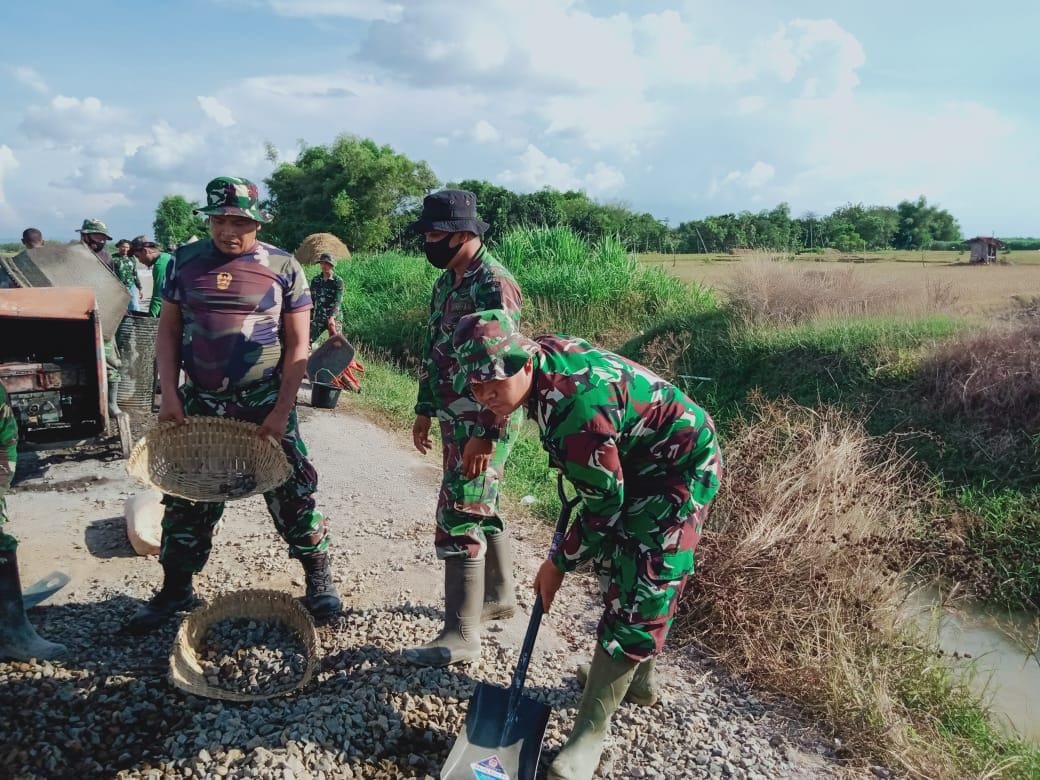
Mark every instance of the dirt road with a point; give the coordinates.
(108, 710)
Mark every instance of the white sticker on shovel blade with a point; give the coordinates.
(489, 769)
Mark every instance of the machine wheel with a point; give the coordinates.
(126, 439)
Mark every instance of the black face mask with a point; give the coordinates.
(440, 253)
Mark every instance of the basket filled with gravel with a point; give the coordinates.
(245, 646)
(208, 459)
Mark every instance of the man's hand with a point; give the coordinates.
(421, 434)
(476, 457)
(333, 328)
(274, 425)
(170, 408)
(547, 582)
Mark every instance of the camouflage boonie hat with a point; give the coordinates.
(325, 257)
(95, 226)
(234, 196)
(488, 347)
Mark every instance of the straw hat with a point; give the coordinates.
(267, 605)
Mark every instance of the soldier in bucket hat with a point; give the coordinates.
(327, 293)
(235, 317)
(94, 233)
(470, 534)
(645, 460)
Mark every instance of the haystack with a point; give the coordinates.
(317, 243)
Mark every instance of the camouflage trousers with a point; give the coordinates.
(642, 571)
(320, 322)
(467, 509)
(188, 526)
(7, 542)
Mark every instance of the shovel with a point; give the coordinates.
(42, 590)
(502, 736)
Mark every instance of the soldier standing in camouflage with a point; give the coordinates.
(18, 639)
(327, 294)
(125, 267)
(94, 234)
(235, 317)
(646, 462)
(470, 536)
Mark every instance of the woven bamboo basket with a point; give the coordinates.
(208, 459)
(270, 605)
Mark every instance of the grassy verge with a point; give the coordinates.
(795, 590)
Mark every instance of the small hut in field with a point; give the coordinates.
(984, 249)
(317, 244)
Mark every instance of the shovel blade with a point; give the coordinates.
(493, 745)
(44, 589)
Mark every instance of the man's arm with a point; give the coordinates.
(168, 361)
(158, 278)
(295, 344)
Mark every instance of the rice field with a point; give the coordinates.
(967, 289)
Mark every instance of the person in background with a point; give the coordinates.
(234, 318)
(125, 266)
(148, 254)
(94, 234)
(32, 238)
(327, 294)
(18, 639)
(645, 460)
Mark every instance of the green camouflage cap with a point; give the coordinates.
(488, 346)
(95, 226)
(234, 196)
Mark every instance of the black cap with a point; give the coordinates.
(450, 210)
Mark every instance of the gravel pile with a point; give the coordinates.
(109, 711)
(251, 656)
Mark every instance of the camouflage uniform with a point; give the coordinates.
(467, 509)
(8, 463)
(232, 355)
(642, 455)
(327, 295)
(126, 269)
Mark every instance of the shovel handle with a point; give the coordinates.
(516, 686)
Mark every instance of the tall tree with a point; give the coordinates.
(176, 221)
(353, 188)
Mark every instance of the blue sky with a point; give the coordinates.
(678, 108)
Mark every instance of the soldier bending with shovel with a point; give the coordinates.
(645, 460)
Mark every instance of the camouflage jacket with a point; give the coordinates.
(485, 284)
(616, 431)
(126, 269)
(8, 443)
(327, 295)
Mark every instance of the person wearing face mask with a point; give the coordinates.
(470, 534)
(94, 234)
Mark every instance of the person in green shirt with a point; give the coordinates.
(125, 267)
(149, 255)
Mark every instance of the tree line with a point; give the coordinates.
(366, 194)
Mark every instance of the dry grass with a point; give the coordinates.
(798, 589)
(974, 290)
(317, 243)
(991, 377)
(765, 292)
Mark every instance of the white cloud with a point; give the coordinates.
(535, 170)
(365, 10)
(484, 132)
(8, 163)
(216, 110)
(31, 78)
(823, 52)
(755, 178)
(751, 104)
(69, 120)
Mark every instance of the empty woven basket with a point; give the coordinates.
(208, 459)
(273, 605)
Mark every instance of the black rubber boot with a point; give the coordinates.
(322, 600)
(18, 639)
(459, 640)
(499, 590)
(176, 595)
(113, 403)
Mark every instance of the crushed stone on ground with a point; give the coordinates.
(108, 710)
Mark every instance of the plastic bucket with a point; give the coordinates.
(324, 396)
